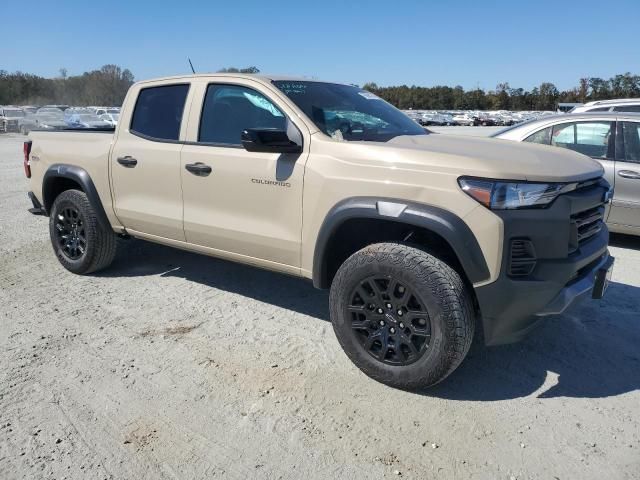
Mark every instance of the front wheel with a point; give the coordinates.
(79, 241)
(402, 316)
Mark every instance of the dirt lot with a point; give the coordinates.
(173, 365)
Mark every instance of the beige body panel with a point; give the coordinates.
(234, 257)
(339, 170)
(251, 203)
(237, 212)
(147, 198)
(87, 150)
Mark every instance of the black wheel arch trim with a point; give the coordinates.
(437, 220)
(82, 178)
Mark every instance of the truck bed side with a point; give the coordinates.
(88, 150)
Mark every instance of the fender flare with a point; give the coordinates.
(447, 225)
(81, 177)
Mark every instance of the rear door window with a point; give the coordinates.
(627, 108)
(631, 135)
(158, 112)
(589, 138)
(542, 137)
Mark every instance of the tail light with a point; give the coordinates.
(26, 148)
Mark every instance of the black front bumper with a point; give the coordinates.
(563, 269)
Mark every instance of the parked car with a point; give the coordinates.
(431, 118)
(86, 120)
(62, 108)
(486, 120)
(421, 238)
(44, 118)
(466, 119)
(110, 118)
(54, 110)
(9, 117)
(613, 139)
(448, 119)
(620, 105)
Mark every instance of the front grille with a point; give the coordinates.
(585, 225)
(522, 258)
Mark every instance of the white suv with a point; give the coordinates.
(620, 105)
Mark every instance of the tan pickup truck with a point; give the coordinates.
(423, 239)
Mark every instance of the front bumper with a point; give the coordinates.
(583, 287)
(564, 270)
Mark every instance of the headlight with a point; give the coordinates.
(498, 195)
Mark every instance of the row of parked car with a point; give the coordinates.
(25, 119)
(507, 118)
(472, 117)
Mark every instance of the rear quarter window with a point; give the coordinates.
(158, 112)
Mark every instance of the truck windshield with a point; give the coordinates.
(14, 113)
(349, 113)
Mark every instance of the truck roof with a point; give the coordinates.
(265, 78)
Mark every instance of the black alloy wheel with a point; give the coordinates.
(70, 232)
(389, 320)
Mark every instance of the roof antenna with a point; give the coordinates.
(191, 65)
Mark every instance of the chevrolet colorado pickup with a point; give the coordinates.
(423, 239)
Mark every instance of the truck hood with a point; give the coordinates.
(499, 159)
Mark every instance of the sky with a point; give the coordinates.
(426, 43)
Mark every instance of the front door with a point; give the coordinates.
(625, 208)
(244, 203)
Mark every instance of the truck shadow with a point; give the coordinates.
(140, 258)
(589, 352)
(624, 241)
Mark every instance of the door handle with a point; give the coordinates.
(629, 174)
(127, 161)
(200, 169)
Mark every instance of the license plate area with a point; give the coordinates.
(603, 277)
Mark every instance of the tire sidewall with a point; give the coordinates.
(343, 286)
(72, 198)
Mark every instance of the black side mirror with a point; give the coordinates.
(269, 140)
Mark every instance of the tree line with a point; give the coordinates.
(504, 97)
(109, 84)
(105, 86)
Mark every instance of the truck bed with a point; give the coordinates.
(86, 148)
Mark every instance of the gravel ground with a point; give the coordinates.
(174, 365)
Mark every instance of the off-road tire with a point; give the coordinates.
(440, 288)
(101, 244)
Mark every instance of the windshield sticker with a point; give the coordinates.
(293, 88)
(368, 95)
(261, 102)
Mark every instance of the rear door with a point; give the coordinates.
(625, 208)
(250, 203)
(145, 162)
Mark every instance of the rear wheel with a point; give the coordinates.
(81, 244)
(402, 316)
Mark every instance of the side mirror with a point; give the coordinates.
(270, 141)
